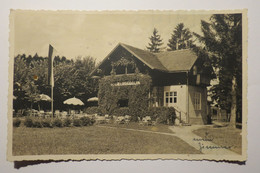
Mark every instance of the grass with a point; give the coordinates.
(94, 140)
(224, 136)
(132, 125)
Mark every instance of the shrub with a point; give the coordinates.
(16, 122)
(27, 112)
(134, 118)
(37, 124)
(93, 110)
(28, 122)
(92, 120)
(122, 111)
(46, 123)
(67, 122)
(165, 115)
(76, 122)
(85, 121)
(57, 123)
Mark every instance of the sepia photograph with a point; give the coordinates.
(114, 85)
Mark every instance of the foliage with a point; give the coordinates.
(37, 123)
(93, 110)
(28, 122)
(57, 123)
(16, 122)
(162, 115)
(181, 38)
(122, 111)
(222, 39)
(137, 95)
(85, 121)
(76, 122)
(156, 42)
(71, 79)
(46, 122)
(67, 122)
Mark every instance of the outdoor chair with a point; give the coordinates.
(34, 112)
(120, 120)
(100, 119)
(41, 113)
(147, 120)
(107, 118)
(140, 121)
(127, 119)
(57, 113)
(48, 114)
(64, 114)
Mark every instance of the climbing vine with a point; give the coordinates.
(132, 87)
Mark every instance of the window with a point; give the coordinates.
(195, 70)
(122, 103)
(171, 97)
(197, 101)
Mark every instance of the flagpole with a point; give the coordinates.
(51, 76)
(52, 114)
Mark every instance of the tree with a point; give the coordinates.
(71, 79)
(156, 42)
(180, 38)
(222, 39)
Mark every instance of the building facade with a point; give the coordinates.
(178, 79)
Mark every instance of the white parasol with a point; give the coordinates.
(93, 99)
(45, 97)
(73, 101)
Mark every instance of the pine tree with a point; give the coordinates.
(180, 38)
(222, 39)
(156, 42)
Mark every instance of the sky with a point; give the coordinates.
(74, 34)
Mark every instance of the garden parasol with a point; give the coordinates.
(93, 99)
(44, 97)
(73, 101)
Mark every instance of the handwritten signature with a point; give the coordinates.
(211, 147)
(209, 138)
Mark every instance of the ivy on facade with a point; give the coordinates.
(137, 94)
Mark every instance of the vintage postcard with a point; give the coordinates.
(112, 85)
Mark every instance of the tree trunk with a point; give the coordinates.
(233, 104)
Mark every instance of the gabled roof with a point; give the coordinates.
(146, 57)
(179, 60)
(171, 61)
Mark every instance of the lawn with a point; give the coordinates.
(224, 136)
(133, 125)
(94, 140)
